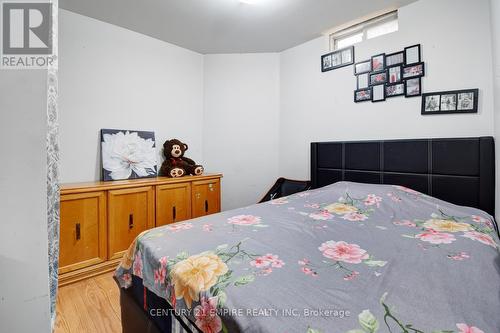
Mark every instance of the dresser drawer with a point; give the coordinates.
(205, 197)
(82, 231)
(130, 212)
(173, 203)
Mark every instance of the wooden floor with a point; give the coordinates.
(89, 306)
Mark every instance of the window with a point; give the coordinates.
(372, 28)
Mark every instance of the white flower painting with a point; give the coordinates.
(128, 154)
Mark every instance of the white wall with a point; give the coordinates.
(111, 77)
(24, 300)
(241, 124)
(455, 37)
(495, 28)
(252, 116)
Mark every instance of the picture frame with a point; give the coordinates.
(337, 59)
(413, 87)
(450, 102)
(378, 78)
(414, 70)
(412, 54)
(362, 95)
(378, 62)
(468, 100)
(394, 90)
(120, 147)
(362, 81)
(363, 67)
(378, 93)
(396, 58)
(394, 74)
(431, 102)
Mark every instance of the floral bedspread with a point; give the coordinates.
(348, 257)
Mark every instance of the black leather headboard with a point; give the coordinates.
(460, 170)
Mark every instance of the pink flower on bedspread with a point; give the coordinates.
(464, 328)
(354, 217)
(278, 263)
(323, 215)
(179, 226)
(269, 259)
(407, 223)
(351, 276)
(372, 199)
(308, 271)
(244, 220)
(161, 273)
(260, 262)
(313, 205)
(163, 261)
(138, 264)
(127, 279)
(206, 316)
(480, 219)
(459, 256)
(393, 197)
(342, 251)
(480, 237)
(436, 237)
(208, 227)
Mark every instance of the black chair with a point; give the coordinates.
(284, 187)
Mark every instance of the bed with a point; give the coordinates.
(373, 247)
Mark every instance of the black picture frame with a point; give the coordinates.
(394, 54)
(358, 100)
(382, 58)
(361, 63)
(370, 81)
(378, 86)
(408, 61)
(358, 87)
(338, 57)
(389, 68)
(405, 67)
(108, 138)
(411, 80)
(400, 84)
(459, 102)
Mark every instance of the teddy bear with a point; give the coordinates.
(176, 164)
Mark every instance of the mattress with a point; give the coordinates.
(347, 257)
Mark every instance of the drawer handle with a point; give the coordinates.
(78, 231)
(206, 206)
(174, 212)
(131, 221)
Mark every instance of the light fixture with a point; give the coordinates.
(251, 2)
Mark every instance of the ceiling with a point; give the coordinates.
(229, 26)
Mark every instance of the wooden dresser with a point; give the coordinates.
(100, 220)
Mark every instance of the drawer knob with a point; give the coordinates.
(174, 212)
(131, 221)
(78, 231)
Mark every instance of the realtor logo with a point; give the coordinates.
(26, 34)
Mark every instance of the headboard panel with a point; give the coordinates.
(460, 170)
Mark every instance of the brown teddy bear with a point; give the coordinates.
(176, 164)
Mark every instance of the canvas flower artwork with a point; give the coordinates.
(127, 154)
